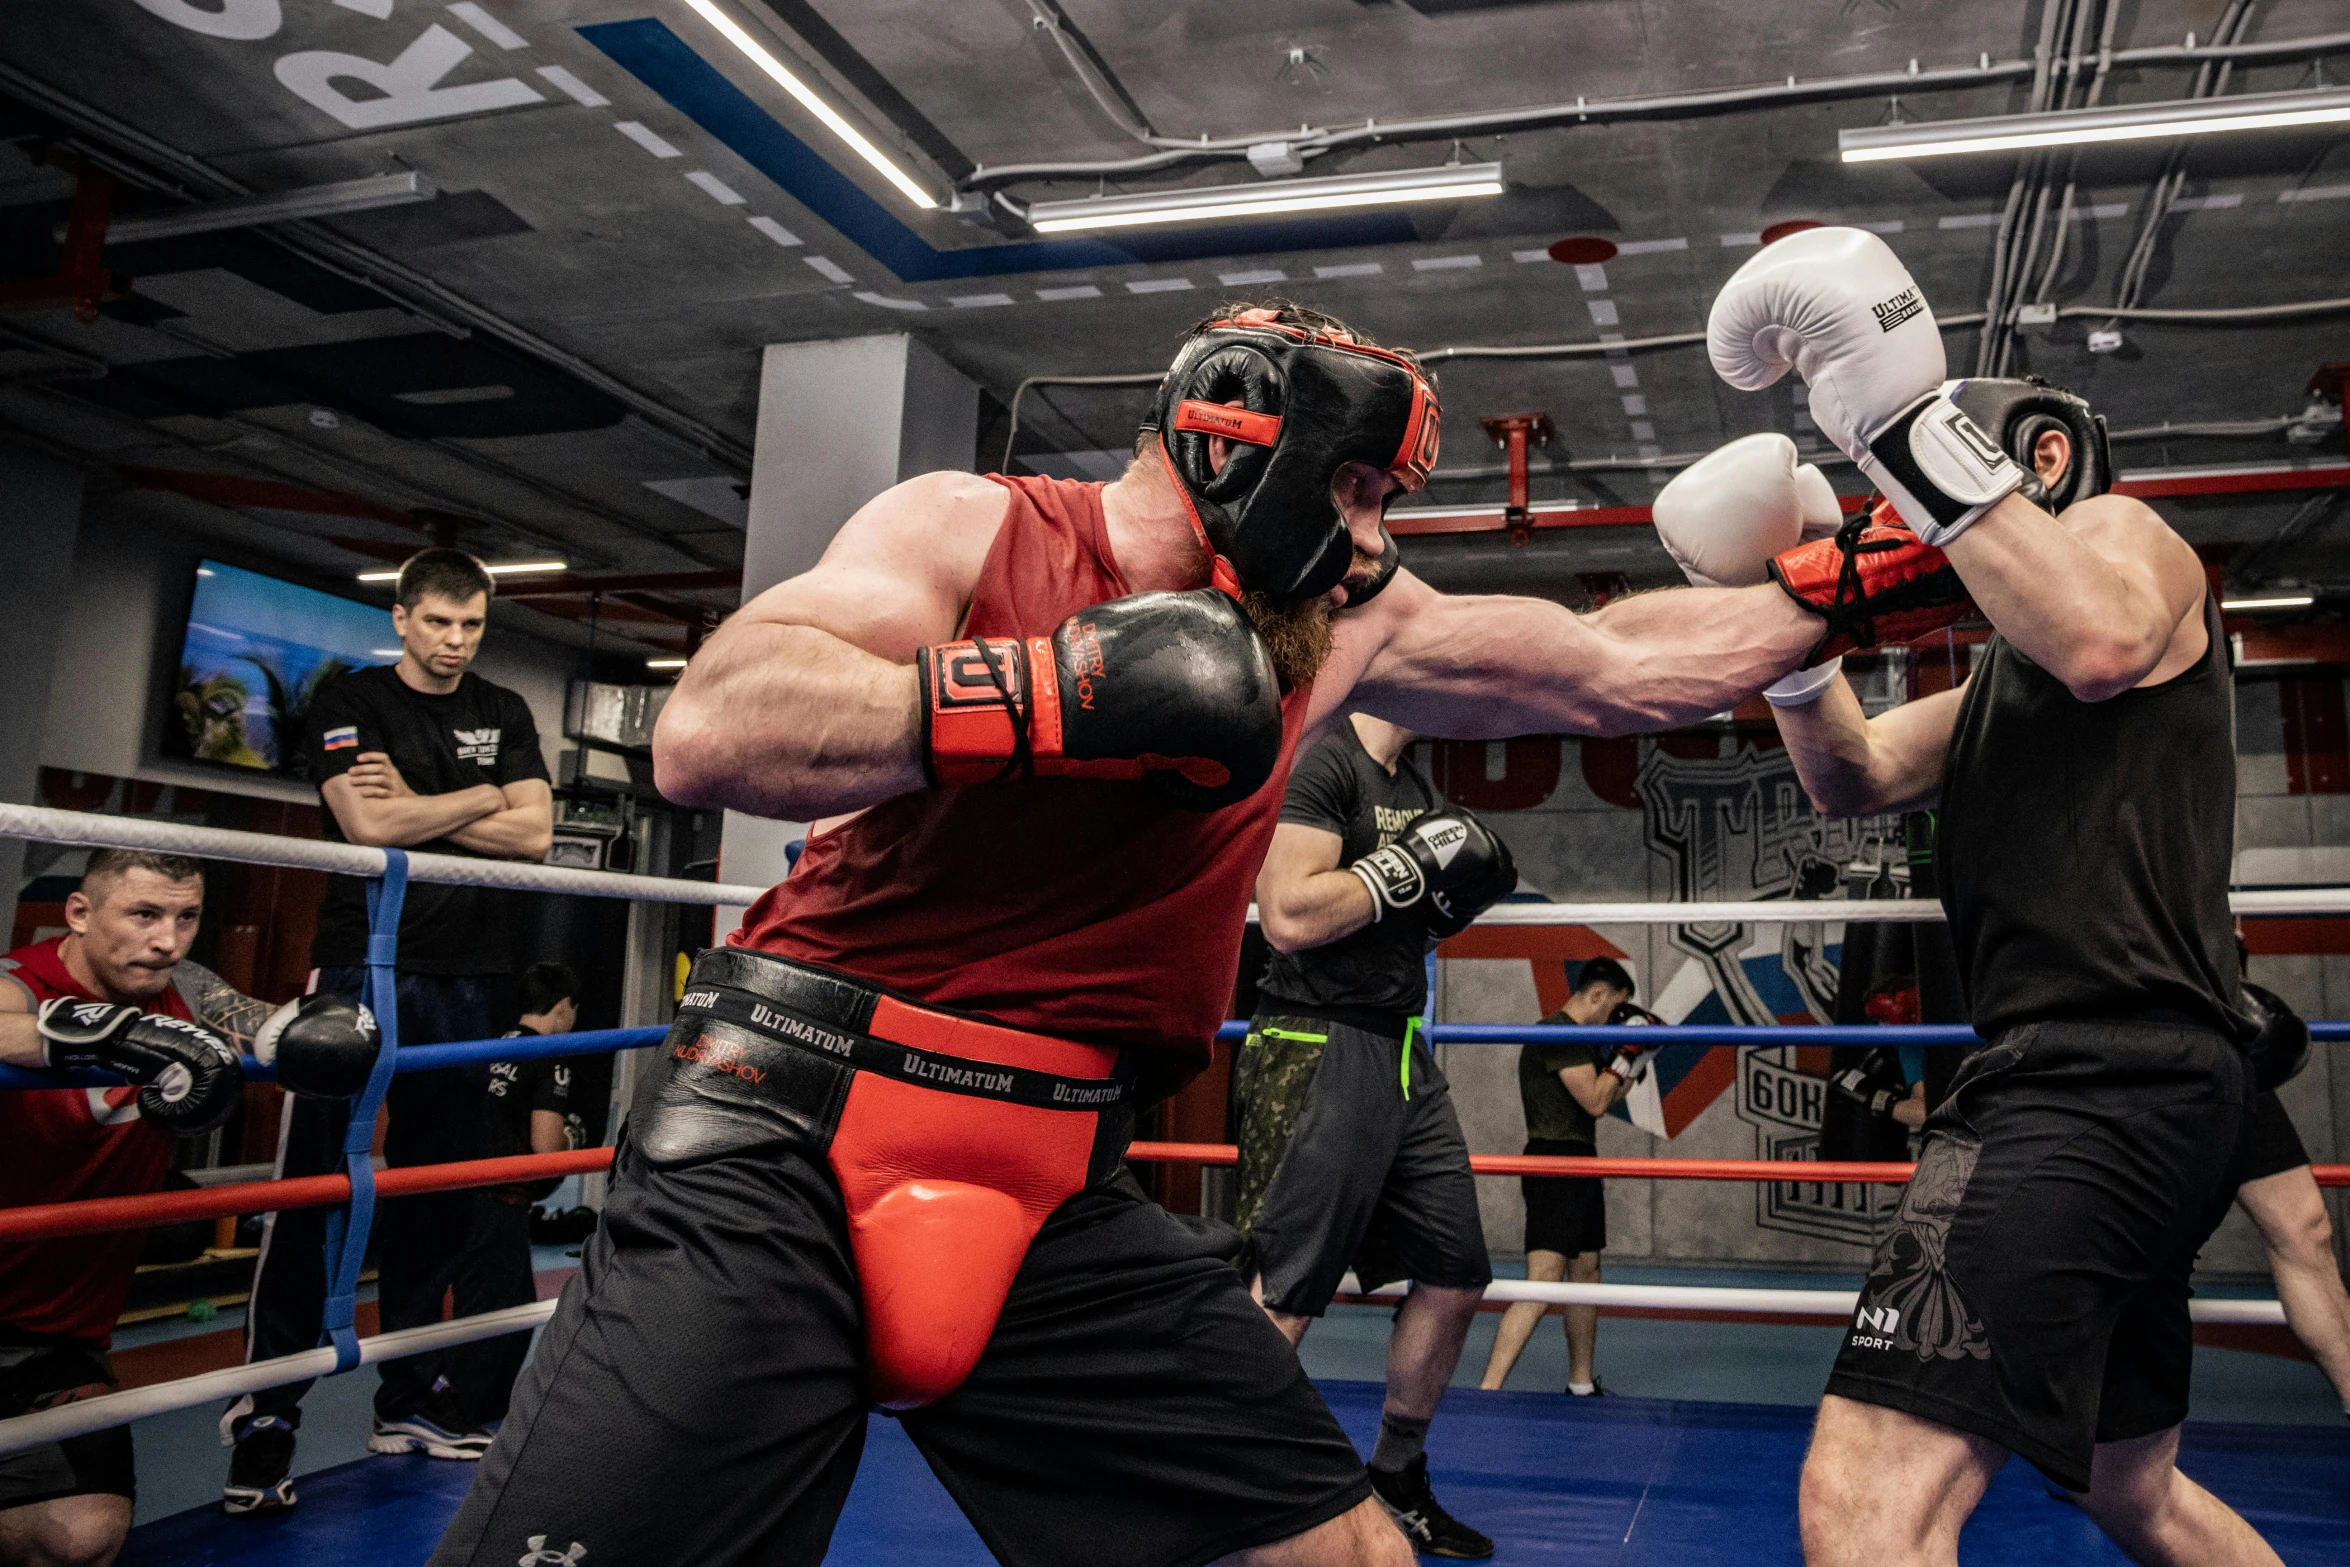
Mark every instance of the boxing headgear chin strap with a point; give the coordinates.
(2017, 413)
(1295, 406)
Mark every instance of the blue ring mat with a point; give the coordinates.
(1628, 1482)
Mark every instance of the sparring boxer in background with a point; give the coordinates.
(1043, 728)
(117, 992)
(1350, 1150)
(2030, 1295)
(1564, 1089)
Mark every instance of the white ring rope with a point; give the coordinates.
(39, 824)
(1763, 1302)
(113, 1409)
(42, 825)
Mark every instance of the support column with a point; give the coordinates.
(39, 522)
(839, 422)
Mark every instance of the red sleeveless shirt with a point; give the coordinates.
(65, 1144)
(1086, 909)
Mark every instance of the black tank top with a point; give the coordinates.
(2084, 847)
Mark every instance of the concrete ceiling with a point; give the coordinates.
(561, 349)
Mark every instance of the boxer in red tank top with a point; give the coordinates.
(1042, 729)
(124, 956)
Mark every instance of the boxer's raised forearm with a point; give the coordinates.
(1853, 765)
(2097, 619)
(789, 722)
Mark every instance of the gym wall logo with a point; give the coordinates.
(477, 745)
(1784, 1105)
(1736, 829)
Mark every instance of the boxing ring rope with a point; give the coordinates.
(354, 1192)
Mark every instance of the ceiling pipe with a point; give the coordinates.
(411, 290)
(1313, 141)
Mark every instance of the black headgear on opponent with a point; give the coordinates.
(2018, 412)
(1308, 403)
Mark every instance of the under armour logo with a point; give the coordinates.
(540, 1556)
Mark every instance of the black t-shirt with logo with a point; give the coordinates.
(479, 733)
(577, 1088)
(1337, 787)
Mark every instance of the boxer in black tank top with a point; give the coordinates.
(2030, 1294)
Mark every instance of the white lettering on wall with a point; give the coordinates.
(405, 90)
(240, 19)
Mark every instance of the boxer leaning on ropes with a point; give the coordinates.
(2030, 1295)
(117, 992)
(1042, 727)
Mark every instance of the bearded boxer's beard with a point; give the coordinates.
(1297, 631)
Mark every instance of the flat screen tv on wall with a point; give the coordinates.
(257, 649)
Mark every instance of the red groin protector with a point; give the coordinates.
(946, 1190)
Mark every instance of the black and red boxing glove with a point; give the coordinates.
(1176, 688)
(1873, 582)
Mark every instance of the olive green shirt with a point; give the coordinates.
(1552, 1114)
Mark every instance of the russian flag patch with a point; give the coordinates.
(343, 739)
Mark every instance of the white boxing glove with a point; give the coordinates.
(1724, 516)
(1839, 307)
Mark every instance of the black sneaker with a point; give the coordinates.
(1598, 1390)
(258, 1469)
(439, 1429)
(1413, 1506)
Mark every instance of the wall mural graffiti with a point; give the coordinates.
(1732, 829)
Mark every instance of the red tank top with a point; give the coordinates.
(1086, 909)
(65, 1144)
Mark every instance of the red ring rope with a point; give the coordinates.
(93, 1216)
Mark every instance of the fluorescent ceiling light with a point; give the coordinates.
(311, 201)
(2281, 601)
(508, 568)
(2082, 127)
(1447, 182)
(759, 55)
(665, 663)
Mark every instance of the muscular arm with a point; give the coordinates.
(20, 1044)
(2104, 598)
(523, 829)
(1857, 766)
(1303, 898)
(1485, 667)
(547, 1132)
(1594, 1090)
(803, 705)
(380, 821)
(220, 1006)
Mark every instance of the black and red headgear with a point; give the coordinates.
(1307, 402)
(2018, 412)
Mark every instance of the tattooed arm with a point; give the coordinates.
(219, 1005)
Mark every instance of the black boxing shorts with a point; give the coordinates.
(2032, 1286)
(1350, 1154)
(703, 1390)
(40, 1373)
(1564, 1213)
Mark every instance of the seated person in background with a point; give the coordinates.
(115, 992)
(1566, 1088)
(530, 1110)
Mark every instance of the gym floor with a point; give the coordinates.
(1692, 1463)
